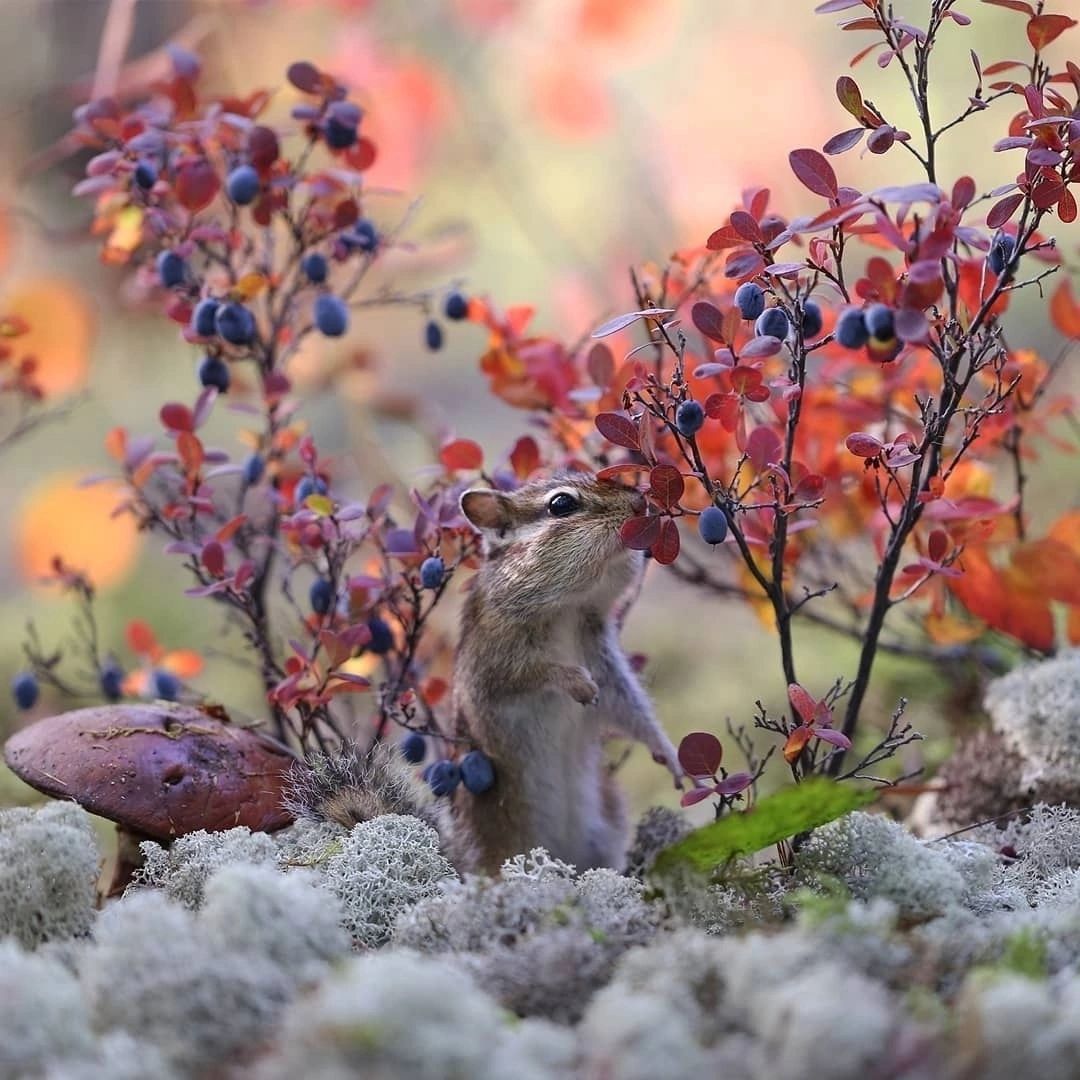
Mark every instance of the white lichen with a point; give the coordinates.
(48, 873)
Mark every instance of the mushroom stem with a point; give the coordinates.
(128, 859)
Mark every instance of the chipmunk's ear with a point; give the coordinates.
(488, 510)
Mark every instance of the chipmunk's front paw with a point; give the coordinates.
(581, 686)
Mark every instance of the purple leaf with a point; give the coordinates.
(845, 140)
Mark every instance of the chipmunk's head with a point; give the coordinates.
(557, 540)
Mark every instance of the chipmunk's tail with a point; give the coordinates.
(352, 785)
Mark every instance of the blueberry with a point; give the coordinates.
(309, 485)
(202, 318)
(25, 689)
(339, 136)
(812, 320)
(314, 267)
(382, 637)
(145, 175)
(432, 572)
(362, 236)
(331, 315)
(773, 322)
(433, 335)
(235, 324)
(164, 685)
(213, 371)
(321, 596)
(879, 322)
(851, 331)
(414, 748)
(750, 300)
(111, 680)
(477, 772)
(254, 468)
(712, 525)
(689, 418)
(444, 777)
(171, 268)
(242, 185)
(1001, 252)
(456, 307)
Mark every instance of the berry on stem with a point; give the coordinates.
(213, 371)
(362, 236)
(444, 777)
(164, 685)
(773, 322)
(145, 175)
(203, 317)
(712, 525)
(242, 185)
(382, 637)
(689, 418)
(456, 307)
(750, 300)
(851, 330)
(314, 267)
(254, 468)
(477, 772)
(331, 315)
(414, 748)
(432, 572)
(25, 689)
(171, 268)
(812, 320)
(111, 680)
(433, 335)
(321, 596)
(1001, 253)
(880, 322)
(308, 485)
(235, 324)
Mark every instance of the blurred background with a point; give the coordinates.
(553, 143)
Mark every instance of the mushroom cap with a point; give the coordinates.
(158, 769)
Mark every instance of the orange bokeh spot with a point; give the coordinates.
(61, 328)
(75, 523)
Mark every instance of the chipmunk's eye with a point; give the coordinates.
(562, 503)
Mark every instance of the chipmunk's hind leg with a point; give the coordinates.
(609, 833)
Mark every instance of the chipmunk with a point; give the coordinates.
(539, 680)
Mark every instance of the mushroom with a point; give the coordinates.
(157, 770)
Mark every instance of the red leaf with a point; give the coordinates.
(937, 545)
(850, 96)
(836, 5)
(619, 430)
(666, 550)
(1013, 5)
(190, 450)
(709, 319)
(845, 140)
(963, 192)
(196, 185)
(462, 454)
(700, 754)
(814, 171)
(802, 702)
(722, 238)
(864, 445)
(666, 485)
(230, 528)
(744, 264)
(601, 365)
(1046, 28)
(1047, 190)
(746, 226)
(1067, 207)
(640, 533)
(213, 558)
(177, 417)
(694, 796)
(304, 76)
(763, 447)
(1001, 211)
(525, 457)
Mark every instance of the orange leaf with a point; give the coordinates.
(116, 444)
(1046, 28)
(798, 739)
(230, 528)
(190, 450)
(462, 454)
(1065, 311)
(949, 629)
(1051, 567)
(1072, 626)
(183, 663)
